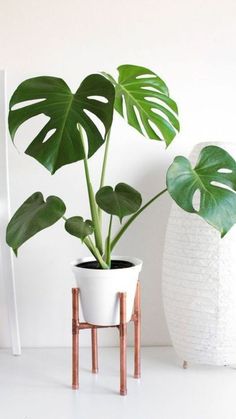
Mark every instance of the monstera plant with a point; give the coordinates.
(142, 98)
(71, 135)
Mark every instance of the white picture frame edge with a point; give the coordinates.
(6, 256)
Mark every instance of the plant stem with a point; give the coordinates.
(92, 202)
(108, 245)
(104, 165)
(95, 252)
(132, 218)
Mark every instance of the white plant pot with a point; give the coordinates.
(199, 285)
(100, 288)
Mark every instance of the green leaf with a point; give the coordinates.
(59, 142)
(77, 227)
(214, 176)
(122, 201)
(34, 215)
(141, 91)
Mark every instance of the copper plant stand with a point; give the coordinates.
(77, 326)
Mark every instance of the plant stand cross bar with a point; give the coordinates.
(77, 326)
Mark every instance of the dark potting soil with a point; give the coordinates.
(115, 264)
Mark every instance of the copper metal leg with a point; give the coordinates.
(137, 333)
(185, 365)
(75, 338)
(123, 343)
(77, 326)
(94, 350)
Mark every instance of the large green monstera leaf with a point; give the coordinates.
(214, 176)
(144, 98)
(122, 201)
(59, 142)
(32, 216)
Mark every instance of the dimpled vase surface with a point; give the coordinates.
(100, 288)
(199, 284)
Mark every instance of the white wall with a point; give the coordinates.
(191, 44)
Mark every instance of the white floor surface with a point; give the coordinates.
(36, 385)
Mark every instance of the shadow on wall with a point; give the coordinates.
(145, 240)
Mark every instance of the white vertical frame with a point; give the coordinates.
(6, 261)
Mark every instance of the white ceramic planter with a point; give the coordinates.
(99, 290)
(199, 285)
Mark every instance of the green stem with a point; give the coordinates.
(108, 244)
(132, 218)
(92, 202)
(88, 242)
(104, 165)
(89, 246)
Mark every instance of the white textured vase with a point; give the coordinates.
(100, 288)
(199, 285)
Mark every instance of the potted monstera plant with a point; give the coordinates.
(71, 135)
